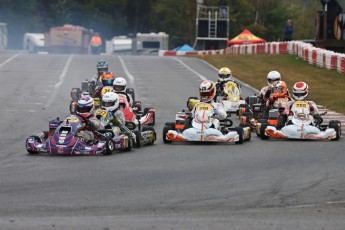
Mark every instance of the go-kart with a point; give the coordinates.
(301, 125)
(203, 128)
(63, 139)
(133, 114)
(255, 112)
(231, 100)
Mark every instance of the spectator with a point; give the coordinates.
(96, 44)
(288, 30)
(223, 5)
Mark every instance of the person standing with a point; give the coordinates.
(288, 31)
(96, 44)
(223, 5)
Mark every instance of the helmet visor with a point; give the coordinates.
(206, 94)
(84, 109)
(107, 82)
(102, 69)
(271, 81)
(119, 87)
(223, 75)
(108, 104)
(300, 94)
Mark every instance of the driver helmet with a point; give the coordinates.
(272, 77)
(207, 91)
(279, 89)
(120, 84)
(102, 66)
(85, 106)
(300, 91)
(224, 74)
(110, 101)
(107, 79)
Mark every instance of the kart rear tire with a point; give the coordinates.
(336, 125)
(147, 128)
(38, 140)
(239, 130)
(137, 138)
(259, 122)
(281, 122)
(262, 131)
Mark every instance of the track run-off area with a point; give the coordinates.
(260, 184)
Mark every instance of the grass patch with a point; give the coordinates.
(326, 87)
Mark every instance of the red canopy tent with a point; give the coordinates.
(244, 38)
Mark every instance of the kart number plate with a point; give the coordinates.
(204, 107)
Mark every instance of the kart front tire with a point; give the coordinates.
(36, 138)
(262, 131)
(336, 125)
(137, 139)
(109, 146)
(165, 131)
(239, 130)
(130, 143)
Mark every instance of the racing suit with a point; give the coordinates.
(313, 110)
(117, 121)
(87, 132)
(205, 131)
(220, 89)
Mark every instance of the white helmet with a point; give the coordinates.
(120, 84)
(224, 74)
(300, 91)
(110, 101)
(272, 77)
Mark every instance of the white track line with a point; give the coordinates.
(8, 60)
(61, 79)
(192, 70)
(129, 75)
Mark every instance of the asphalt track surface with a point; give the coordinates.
(257, 185)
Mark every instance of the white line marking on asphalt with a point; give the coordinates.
(8, 60)
(190, 69)
(129, 75)
(61, 79)
(18, 110)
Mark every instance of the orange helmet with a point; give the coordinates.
(108, 79)
(279, 89)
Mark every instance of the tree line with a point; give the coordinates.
(264, 18)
